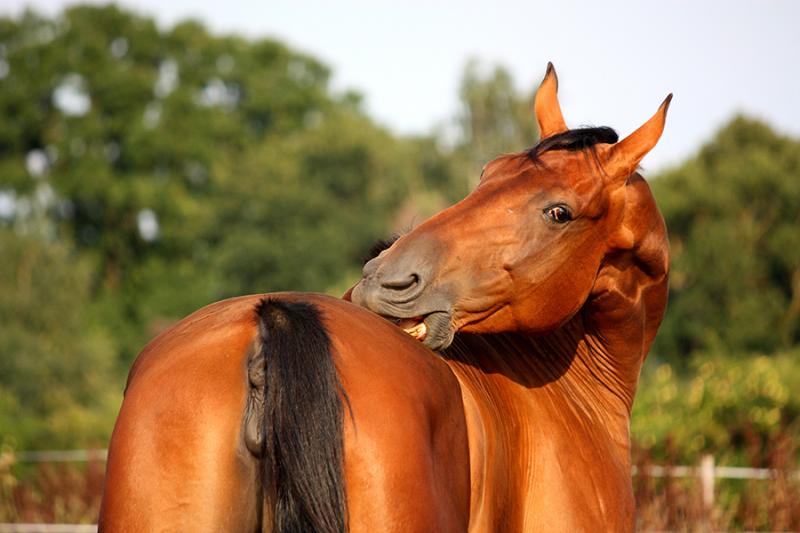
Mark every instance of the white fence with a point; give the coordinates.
(707, 471)
(48, 528)
(58, 456)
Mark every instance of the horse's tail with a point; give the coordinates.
(301, 430)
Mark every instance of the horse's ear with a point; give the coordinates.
(546, 106)
(624, 157)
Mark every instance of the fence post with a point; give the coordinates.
(707, 487)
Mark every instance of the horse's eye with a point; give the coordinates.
(560, 214)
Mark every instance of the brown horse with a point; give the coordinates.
(543, 290)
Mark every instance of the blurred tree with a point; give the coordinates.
(495, 118)
(298, 211)
(732, 408)
(734, 224)
(185, 167)
(58, 387)
(146, 172)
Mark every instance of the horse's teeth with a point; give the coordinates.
(418, 331)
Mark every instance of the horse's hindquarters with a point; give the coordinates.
(176, 458)
(170, 479)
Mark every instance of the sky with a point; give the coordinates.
(616, 60)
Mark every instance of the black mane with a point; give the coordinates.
(379, 246)
(574, 140)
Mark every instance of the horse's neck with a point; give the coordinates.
(629, 296)
(568, 369)
(547, 415)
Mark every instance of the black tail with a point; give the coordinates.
(303, 416)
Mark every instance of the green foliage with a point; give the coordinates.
(731, 212)
(151, 171)
(186, 167)
(731, 408)
(315, 199)
(165, 169)
(57, 385)
(494, 119)
(163, 107)
(734, 227)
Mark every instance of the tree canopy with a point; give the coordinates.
(734, 224)
(146, 171)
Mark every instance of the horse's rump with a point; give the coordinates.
(182, 454)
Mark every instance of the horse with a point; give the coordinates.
(478, 377)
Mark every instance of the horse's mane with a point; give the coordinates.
(379, 246)
(573, 140)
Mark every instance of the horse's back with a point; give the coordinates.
(178, 459)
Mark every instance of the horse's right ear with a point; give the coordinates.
(546, 106)
(624, 157)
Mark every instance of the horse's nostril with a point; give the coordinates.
(401, 284)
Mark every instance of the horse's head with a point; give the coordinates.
(523, 251)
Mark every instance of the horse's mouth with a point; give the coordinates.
(433, 329)
(415, 327)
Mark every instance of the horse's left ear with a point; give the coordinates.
(546, 106)
(624, 157)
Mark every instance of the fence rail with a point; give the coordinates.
(706, 471)
(720, 472)
(59, 456)
(724, 472)
(48, 528)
